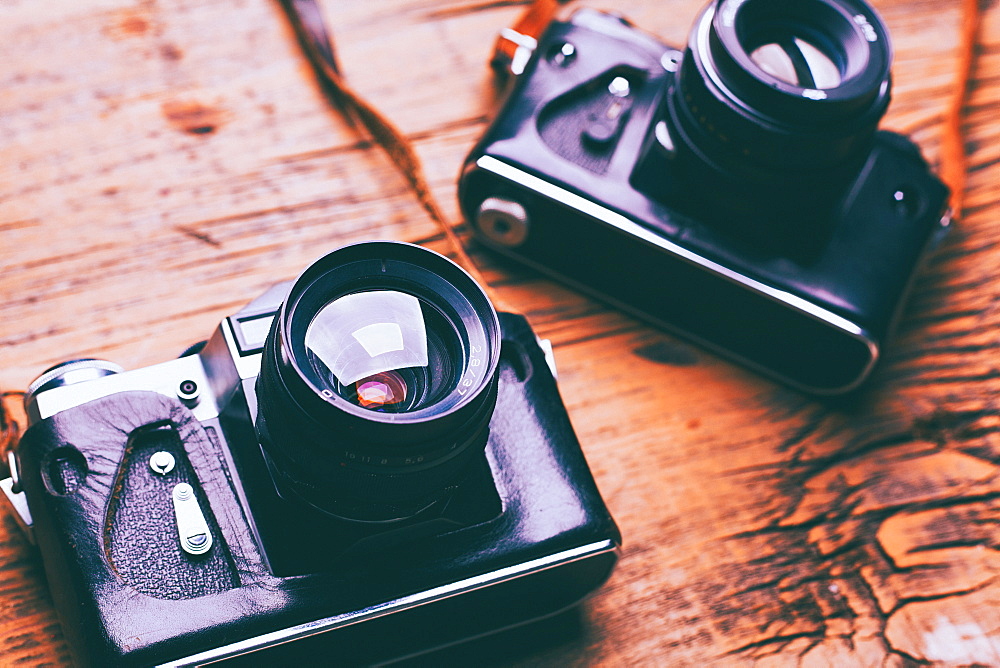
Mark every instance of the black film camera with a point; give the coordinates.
(369, 462)
(738, 193)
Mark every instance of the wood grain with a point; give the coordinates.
(164, 161)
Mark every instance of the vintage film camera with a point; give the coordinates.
(369, 462)
(738, 193)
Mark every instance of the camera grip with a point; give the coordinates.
(105, 524)
(141, 525)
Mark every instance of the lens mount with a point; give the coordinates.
(789, 86)
(378, 380)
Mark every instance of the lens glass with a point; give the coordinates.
(807, 44)
(384, 350)
(797, 61)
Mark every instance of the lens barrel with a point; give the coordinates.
(378, 380)
(771, 87)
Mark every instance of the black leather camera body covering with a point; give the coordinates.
(537, 539)
(557, 186)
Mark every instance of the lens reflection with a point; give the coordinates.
(799, 63)
(381, 390)
(383, 350)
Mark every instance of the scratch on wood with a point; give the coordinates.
(87, 251)
(666, 352)
(902, 515)
(129, 24)
(195, 234)
(944, 425)
(20, 224)
(783, 640)
(193, 117)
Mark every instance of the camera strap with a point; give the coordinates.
(307, 22)
(8, 426)
(10, 436)
(954, 162)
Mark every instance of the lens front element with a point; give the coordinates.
(384, 350)
(798, 62)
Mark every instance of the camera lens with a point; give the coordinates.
(790, 87)
(378, 381)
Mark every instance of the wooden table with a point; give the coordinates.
(164, 161)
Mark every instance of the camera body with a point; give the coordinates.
(167, 540)
(652, 179)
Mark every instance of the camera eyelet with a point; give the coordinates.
(671, 60)
(503, 221)
(188, 392)
(907, 202)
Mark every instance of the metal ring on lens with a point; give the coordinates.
(315, 292)
(378, 380)
(846, 33)
(385, 350)
(737, 107)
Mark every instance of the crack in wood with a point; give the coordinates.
(834, 530)
(940, 597)
(200, 236)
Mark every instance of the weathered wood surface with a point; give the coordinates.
(163, 161)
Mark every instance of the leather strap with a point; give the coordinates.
(531, 25)
(954, 165)
(10, 430)
(307, 21)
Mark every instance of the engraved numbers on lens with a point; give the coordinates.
(866, 28)
(469, 379)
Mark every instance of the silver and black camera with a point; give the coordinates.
(738, 192)
(369, 461)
